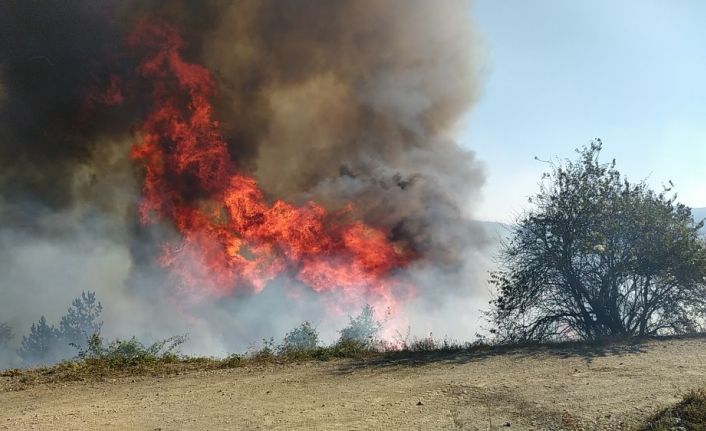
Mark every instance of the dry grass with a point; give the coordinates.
(128, 358)
(102, 370)
(102, 367)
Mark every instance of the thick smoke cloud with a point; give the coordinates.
(353, 101)
(48, 55)
(346, 101)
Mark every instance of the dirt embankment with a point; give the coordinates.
(609, 387)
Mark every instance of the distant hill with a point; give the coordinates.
(499, 232)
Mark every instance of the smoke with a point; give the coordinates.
(349, 101)
(353, 101)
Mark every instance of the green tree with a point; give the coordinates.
(599, 256)
(41, 345)
(302, 338)
(81, 321)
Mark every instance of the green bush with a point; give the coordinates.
(232, 361)
(131, 353)
(361, 330)
(303, 338)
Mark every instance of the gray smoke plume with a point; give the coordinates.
(354, 101)
(346, 101)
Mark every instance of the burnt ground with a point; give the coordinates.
(614, 386)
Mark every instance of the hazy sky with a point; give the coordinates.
(560, 73)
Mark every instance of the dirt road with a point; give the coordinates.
(612, 387)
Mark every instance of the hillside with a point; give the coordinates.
(502, 231)
(615, 386)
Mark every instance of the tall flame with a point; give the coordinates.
(231, 239)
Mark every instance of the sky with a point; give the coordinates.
(559, 73)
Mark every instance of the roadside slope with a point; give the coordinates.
(609, 387)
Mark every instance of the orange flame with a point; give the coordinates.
(231, 239)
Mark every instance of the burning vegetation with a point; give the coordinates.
(231, 238)
(214, 152)
(233, 169)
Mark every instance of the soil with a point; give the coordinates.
(576, 387)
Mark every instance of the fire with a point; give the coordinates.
(231, 238)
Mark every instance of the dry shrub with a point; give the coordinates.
(688, 414)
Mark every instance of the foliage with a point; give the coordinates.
(362, 329)
(81, 321)
(41, 345)
(302, 338)
(232, 361)
(130, 353)
(599, 256)
(46, 343)
(302, 342)
(266, 351)
(689, 414)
